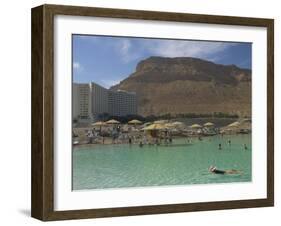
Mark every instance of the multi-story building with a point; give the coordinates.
(122, 103)
(99, 96)
(81, 100)
(92, 100)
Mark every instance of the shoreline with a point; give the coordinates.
(189, 141)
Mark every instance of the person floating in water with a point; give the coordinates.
(214, 170)
(245, 147)
(219, 146)
(229, 142)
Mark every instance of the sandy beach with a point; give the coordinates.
(165, 133)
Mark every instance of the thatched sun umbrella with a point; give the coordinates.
(99, 123)
(178, 123)
(195, 126)
(113, 122)
(170, 125)
(234, 124)
(147, 124)
(247, 120)
(160, 121)
(154, 128)
(174, 125)
(209, 124)
(135, 122)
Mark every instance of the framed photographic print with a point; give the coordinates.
(141, 112)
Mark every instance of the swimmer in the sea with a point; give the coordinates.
(214, 170)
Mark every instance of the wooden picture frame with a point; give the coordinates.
(42, 203)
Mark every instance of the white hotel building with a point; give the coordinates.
(91, 100)
(81, 102)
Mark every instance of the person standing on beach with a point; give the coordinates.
(144, 140)
(90, 136)
(170, 139)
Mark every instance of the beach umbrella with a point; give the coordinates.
(195, 126)
(134, 122)
(147, 123)
(112, 121)
(170, 125)
(247, 120)
(160, 121)
(154, 129)
(174, 124)
(99, 123)
(246, 124)
(234, 124)
(209, 124)
(178, 123)
(155, 126)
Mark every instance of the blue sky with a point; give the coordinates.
(107, 60)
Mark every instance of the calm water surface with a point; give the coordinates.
(117, 166)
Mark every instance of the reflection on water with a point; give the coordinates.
(117, 166)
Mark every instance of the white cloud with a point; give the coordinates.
(125, 46)
(127, 53)
(172, 48)
(176, 48)
(76, 66)
(107, 83)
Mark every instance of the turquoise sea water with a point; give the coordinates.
(119, 166)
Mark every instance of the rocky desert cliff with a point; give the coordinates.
(189, 85)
